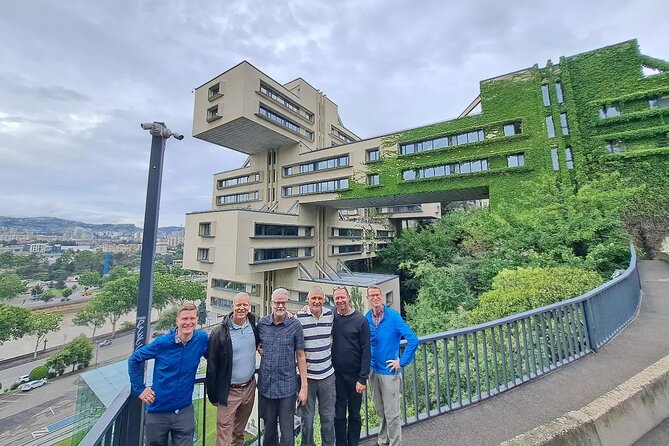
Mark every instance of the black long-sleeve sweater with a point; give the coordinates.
(350, 345)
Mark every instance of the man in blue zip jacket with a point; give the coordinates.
(169, 404)
(386, 330)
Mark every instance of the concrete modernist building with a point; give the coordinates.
(312, 195)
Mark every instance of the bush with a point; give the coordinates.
(527, 288)
(39, 372)
(67, 292)
(127, 325)
(14, 386)
(51, 374)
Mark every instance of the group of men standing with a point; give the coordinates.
(337, 354)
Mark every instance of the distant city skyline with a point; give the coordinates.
(79, 77)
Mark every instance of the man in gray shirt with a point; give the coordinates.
(282, 342)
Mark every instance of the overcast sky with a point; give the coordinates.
(78, 76)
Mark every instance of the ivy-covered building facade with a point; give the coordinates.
(607, 109)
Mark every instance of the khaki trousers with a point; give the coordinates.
(231, 419)
(386, 395)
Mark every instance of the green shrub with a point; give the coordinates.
(39, 372)
(515, 291)
(14, 386)
(127, 325)
(51, 374)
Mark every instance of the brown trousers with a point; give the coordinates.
(231, 419)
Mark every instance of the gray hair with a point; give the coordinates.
(241, 295)
(280, 291)
(315, 290)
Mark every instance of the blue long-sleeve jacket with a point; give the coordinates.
(173, 371)
(385, 340)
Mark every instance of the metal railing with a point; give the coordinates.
(460, 367)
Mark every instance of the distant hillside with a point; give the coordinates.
(58, 226)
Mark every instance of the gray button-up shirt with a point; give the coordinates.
(278, 374)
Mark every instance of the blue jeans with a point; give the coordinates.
(322, 390)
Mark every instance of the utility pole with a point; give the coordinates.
(159, 134)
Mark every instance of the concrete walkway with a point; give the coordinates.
(642, 343)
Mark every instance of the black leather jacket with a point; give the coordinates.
(219, 363)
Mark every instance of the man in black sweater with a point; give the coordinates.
(350, 357)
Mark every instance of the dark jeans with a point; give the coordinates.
(347, 398)
(284, 410)
(180, 424)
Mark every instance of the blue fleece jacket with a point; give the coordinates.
(385, 340)
(173, 371)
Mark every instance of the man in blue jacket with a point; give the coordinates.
(386, 330)
(169, 400)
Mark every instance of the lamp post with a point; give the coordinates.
(159, 134)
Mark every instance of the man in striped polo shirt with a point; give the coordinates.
(317, 325)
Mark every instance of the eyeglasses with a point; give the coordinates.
(280, 304)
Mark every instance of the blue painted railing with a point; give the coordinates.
(460, 367)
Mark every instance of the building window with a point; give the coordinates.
(347, 249)
(316, 188)
(220, 302)
(347, 232)
(389, 298)
(315, 166)
(308, 252)
(558, 92)
(384, 233)
(512, 129)
(563, 123)
(268, 255)
(615, 146)
(290, 105)
(570, 158)
(203, 255)
(662, 102)
(516, 160)
(439, 143)
(212, 113)
(549, 127)
(204, 230)
(272, 116)
(381, 246)
(238, 198)
(544, 95)
(372, 155)
(400, 209)
(214, 91)
(230, 182)
(267, 230)
(373, 179)
(309, 134)
(609, 111)
(554, 159)
(446, 170)
(227, 285)
(341, 135)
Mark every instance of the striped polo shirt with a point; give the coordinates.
(317, 342)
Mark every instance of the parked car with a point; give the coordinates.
(32, 385)
(155, 334)
(105, 343)
(64, 299)
(23, 379)
(35, 297)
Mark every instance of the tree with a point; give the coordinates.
(356, 298)
(88, 316)
(10, 286)
(41, 324)
(90, 278)
(117, 272)
(80, 351)
(117, 298)
(46, 297)
(6, 260)
(13, 322)
(202, 313)
(88, 261)
(167, 320)
(67, 292)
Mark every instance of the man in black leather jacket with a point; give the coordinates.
(231, 366)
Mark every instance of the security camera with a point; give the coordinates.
(178, 136)
(147, 125)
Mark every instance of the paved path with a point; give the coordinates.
(502, 417)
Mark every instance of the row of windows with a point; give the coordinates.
(267, 91)
(568, 156)
(290, 125)
(341, 135)
(611, 111)
(445, 170)
(229, 285)
(563, 124)
(347, 232)
(546, 96)
(315, 188)
(267, 230)
(229, 182)
(330, 163)
(264, 255)
(238, 198)
(384, 233)
(347, 249)
(444, 141)
(400, 209)
(221, 302)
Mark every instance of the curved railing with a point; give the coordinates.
(460, 367)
